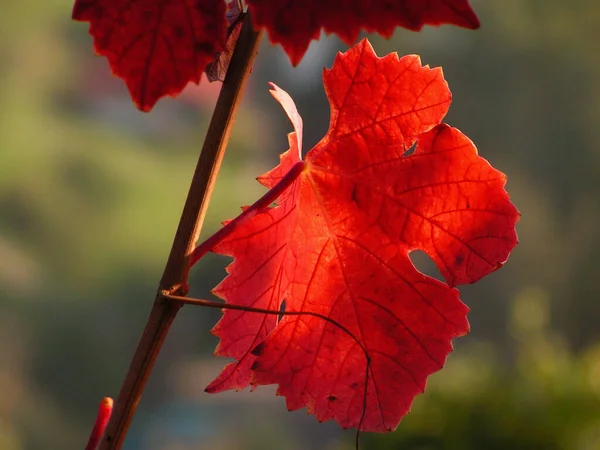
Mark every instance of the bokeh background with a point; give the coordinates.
(90, 195)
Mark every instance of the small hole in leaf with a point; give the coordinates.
(281, 311)
(410, 150)
(425, 264)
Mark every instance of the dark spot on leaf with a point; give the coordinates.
(147, 16)
(332, 398)
(258, 350)
(204, 47)
(353, 196)
(179, 32)
(202, 7)
(281, 311)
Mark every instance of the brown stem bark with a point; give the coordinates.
(174, 279)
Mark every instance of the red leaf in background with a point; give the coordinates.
(337, 244)
(294, 23)
(156, 46)
(217, 69)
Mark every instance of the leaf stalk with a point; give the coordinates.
(271, 196)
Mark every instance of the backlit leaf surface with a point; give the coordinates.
(337, 244)
(294, 23)
(156, 46)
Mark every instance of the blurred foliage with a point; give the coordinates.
(91, 190)
(549, 400)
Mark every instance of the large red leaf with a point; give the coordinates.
(337, 246)
(295, 23)
(156, 46)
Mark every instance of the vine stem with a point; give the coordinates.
(174, 279)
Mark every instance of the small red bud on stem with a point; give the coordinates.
(104, 411)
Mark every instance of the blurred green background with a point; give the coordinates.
(90, 195)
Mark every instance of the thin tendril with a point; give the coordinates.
(212, 304)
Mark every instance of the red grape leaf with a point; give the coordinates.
(156, 46)
(217, 68)
(337, 244)
(295, 23)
